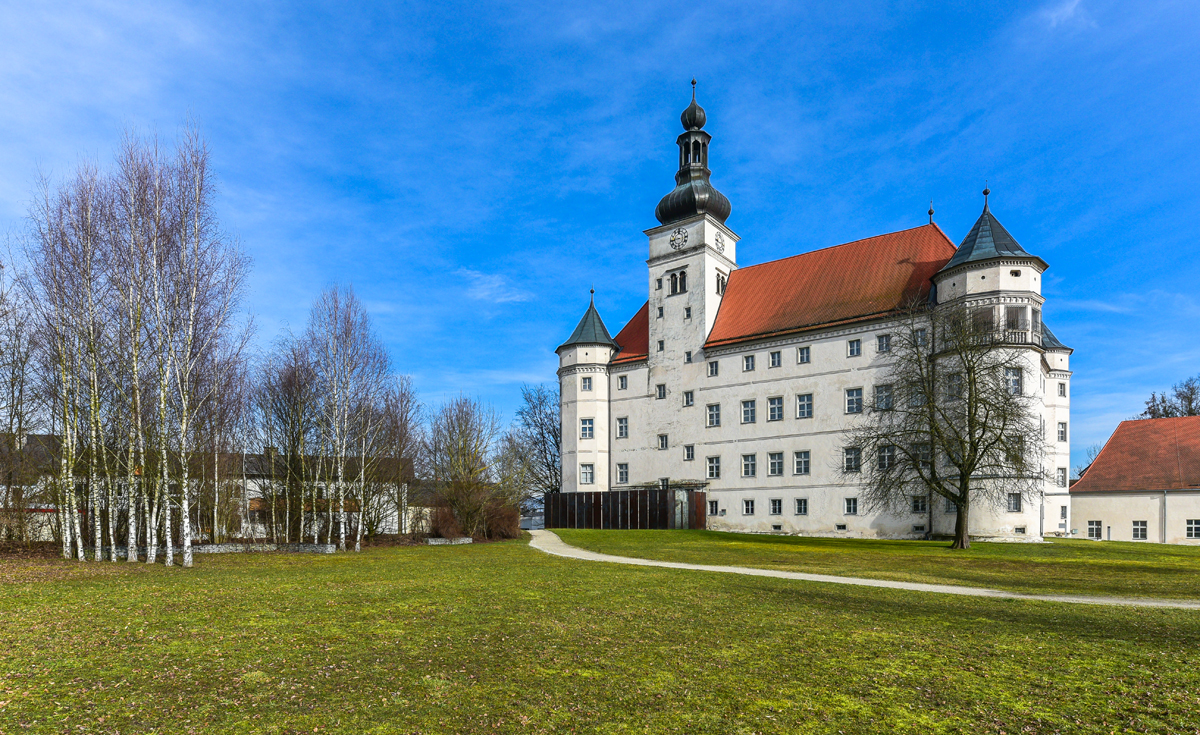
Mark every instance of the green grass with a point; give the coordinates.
(1069, 567)
(500, 638)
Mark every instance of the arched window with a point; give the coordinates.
(695, 151)
(674, 283)
(682, 281)
(704, 153)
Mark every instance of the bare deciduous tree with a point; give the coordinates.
(954, 417)
(539, 432)
(1183, 400)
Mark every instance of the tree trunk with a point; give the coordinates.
(962, 540)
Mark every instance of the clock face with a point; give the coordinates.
(719, 241)
(678, 238)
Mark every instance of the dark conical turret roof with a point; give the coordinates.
(591, 330)
(987, 240)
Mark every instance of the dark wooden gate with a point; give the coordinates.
(628, 509)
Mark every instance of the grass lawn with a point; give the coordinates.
(1067, 566)
(500, 638)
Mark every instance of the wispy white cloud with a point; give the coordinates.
(1064, 13)
(492, 287)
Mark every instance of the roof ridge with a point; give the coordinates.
(851, 242)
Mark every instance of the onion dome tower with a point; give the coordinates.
(693, 194)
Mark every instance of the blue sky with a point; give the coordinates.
(473, 169)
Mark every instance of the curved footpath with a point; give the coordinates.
(550, 543)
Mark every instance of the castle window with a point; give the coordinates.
(1014, 317)
(660, 312)
(1193, 528)
(713, 507)
(887, 457)
(660, 345)
(1062, 390)
(1014, 502)
(747, 507)
(854, 400)
(695, 151)
(1062, 512)
(748, 363)
(712, 369)
(775, 409)
(804, 406)
(920, 505)
(803, 355)
(775, 359)
(586, 428)
(662, 441)
(585, 384)
(622, 382)
(714, 468)
(776, 506)
(660, 391)
(687, 356)
(854, 348)
(749, 465)
(883, 343)
(714, 414)
(851, 509)
(1139, 530)
(722, 281)
(587, 474)
(1015, 274)
(801, 506)
(775, 464)
(622, 473)
(682, 281)
(688, 398)
(919, 337)
(664, 483)
(674, 283)
(852, 459)
(1062, 431)
(802, 463)
(883, 398)
(1060, 477)
(687, 312)
(657, 284)
(623, 428)
(689, 452)
(1096, 530)
(1012, 378)
(749, 412)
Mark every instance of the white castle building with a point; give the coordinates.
(742, 381)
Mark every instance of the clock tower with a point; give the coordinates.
(692, 253)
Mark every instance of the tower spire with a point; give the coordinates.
(693, 193)
(931, 211)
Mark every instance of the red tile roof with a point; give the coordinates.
(1147, 454)
(634, 337)
(845, 283)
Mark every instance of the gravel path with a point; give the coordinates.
(550, 543)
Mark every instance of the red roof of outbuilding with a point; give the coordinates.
(634, 338)
(1147, 454)
(845, 283)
